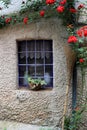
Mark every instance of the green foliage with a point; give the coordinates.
(34, 6)
(6, 2)
(36, 81)
(5, 128)
(31, 10)
(73, 121)
(50, 10)
(2, 22)
(80, 45)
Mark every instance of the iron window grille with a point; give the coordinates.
(35, 59)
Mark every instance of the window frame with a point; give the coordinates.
(35, 65)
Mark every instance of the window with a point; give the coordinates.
(35, 59)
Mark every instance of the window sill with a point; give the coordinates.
(42, 89)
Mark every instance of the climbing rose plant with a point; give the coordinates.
(63, 9)
(78, 41)
(50, 1)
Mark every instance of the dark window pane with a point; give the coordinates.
(31, 70)
(48, 58)
(40, 55)
(23, 82)
(22, 58)
(49, 70)
(39, 71)
(39, 45)
(20, 81)
(31, 58)
(21, 46)
(51, 82)
(22, 71)
(39, 58)
(48, 45)
(31, 45)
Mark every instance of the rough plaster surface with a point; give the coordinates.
(21, 126)
(35, 107)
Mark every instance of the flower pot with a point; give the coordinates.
(34, 86)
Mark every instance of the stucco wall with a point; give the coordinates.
(35, 107)
(83, 13)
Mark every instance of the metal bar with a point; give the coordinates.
(74, 87)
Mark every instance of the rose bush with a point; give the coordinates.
(64, 9)
(79, 44)
(43, 8)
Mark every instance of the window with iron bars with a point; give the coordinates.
(35, 59)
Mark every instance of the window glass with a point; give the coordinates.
(31, 70)
(21, 46)
(39, 71)
(22, 58)
(22, 70)
(35, 59)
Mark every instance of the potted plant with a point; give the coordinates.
(36, 84)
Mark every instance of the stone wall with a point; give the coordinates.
(35, 107)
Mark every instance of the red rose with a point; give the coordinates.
(50, 1)
(85, 33)
(25, 20)
(81, 60)
(81, 6)
(60, 9)
(8, 20)
(79, 33)
(72, 39)
(63, 2)
(82, 31)
(72, 10)
(42, 12)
